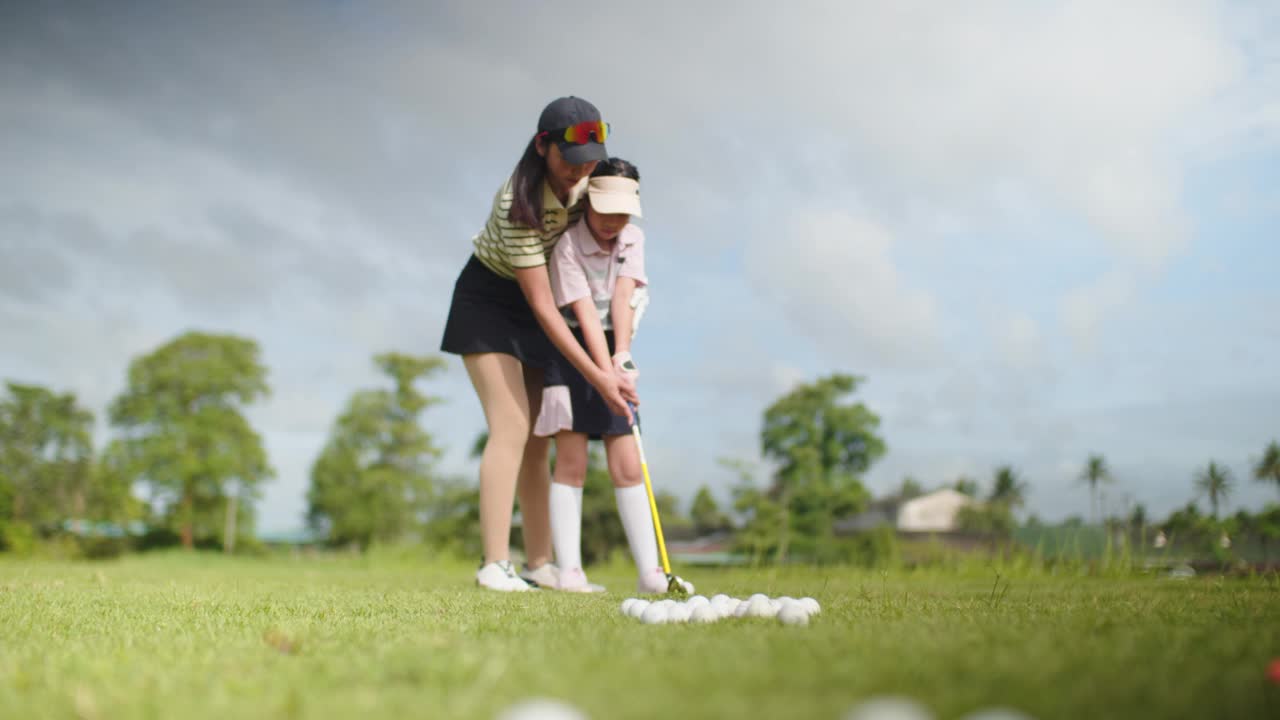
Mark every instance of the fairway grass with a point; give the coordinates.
(179, 636)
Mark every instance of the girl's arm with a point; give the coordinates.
(622, 313)
(536, 287)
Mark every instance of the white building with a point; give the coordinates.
(937, 511)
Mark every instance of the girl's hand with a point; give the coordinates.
(614, 396)
(626, 370)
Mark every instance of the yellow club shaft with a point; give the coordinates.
(653, 503)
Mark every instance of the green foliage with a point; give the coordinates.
(182, 432)
(820, 443)
(1214, 482)
(1267, 469)
(1095, 473)
(705, 513)
(1008, 489)
(910, 488)
(993, 519)
(373, 479)
(46, 457)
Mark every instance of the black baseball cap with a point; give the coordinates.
(564, 112)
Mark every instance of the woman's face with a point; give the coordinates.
(561, 174)
(606, 227)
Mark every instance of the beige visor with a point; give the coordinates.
(613, 194)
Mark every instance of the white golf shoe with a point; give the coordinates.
(501, 576)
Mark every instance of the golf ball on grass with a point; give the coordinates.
(542, 709)
(888, 707)
(655, 614)
(704, 614)
(793, 614)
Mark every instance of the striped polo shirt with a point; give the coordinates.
(504, 246)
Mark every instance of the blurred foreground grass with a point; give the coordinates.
(175, 635)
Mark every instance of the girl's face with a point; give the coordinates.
(561, 174)
(606, 227)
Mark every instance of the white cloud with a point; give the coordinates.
(835, 278)
(1083, 310)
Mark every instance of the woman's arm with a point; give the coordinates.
(536, 287)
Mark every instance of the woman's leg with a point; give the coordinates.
(633, 508)
(534, 483)
(499, 382)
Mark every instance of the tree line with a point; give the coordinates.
(185, 466)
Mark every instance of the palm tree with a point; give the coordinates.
(1008, 487)
(1094, 474)
(1214, 481)
(1268, 468)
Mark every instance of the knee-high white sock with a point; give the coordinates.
(633, 508)
(566, 525)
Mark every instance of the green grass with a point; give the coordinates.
(207, 637)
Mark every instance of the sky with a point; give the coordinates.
(1037, 230)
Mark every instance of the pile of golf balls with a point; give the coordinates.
(698, 609)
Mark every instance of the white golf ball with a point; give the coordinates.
(679, 614)
(626, 606)
(888, 708)
(761, 608)
(793, 614)
(811, 605)
(704, 614)
(997, 713)
(638, 607)
(655, 614)
(541, 709)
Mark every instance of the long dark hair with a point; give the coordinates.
(526, 185)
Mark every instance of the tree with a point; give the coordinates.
(46, 456)
(182, 432)
(1008, 489)
(820, 445)
(373, 478)
(705, 513)
(1267, 468)
(966, 485)
(910, 488)
(1095, 473)
(1214, 481)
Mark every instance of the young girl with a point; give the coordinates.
(500, 319)
(598, 280)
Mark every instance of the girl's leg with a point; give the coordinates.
(633, 508)
(566, 501)
(499, 382)
(534, 482)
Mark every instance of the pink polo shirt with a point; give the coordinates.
(580, 268)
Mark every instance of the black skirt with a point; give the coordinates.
(591, 414)
(489, 313)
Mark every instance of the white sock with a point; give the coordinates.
(633, 508)
(566, 525)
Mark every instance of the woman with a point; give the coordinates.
(500, 319)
